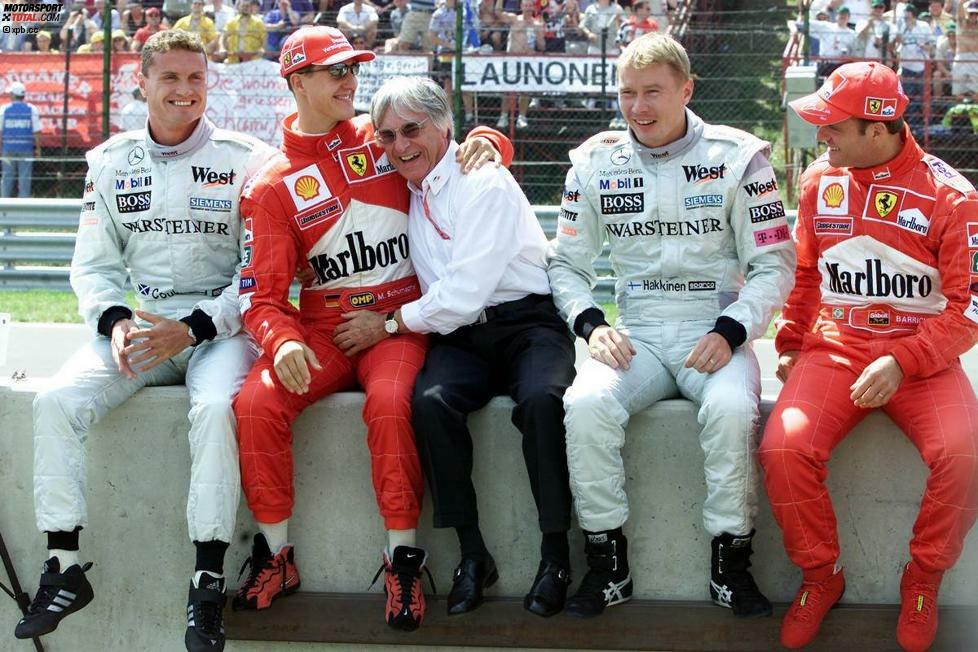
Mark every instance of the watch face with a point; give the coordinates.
(390, 326)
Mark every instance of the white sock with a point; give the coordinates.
(397, 538)
(198, 574)
(277, 534)
(66, 558)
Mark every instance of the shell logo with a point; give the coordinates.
(833, 195)
(307, 187)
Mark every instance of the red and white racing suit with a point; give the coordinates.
(337, 200)
(887, 264)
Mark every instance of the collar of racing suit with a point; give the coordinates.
(200, 135)
(314, 145)
(900, 164)
(652, 155)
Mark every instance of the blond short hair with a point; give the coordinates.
(655, 48)
(167, 40)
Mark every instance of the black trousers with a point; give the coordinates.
(524, 350)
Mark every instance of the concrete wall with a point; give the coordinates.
(139, 472)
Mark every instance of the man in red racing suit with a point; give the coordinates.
(885, 300)
(334, 198)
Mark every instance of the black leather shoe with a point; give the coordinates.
(472, 577)
(549, 590)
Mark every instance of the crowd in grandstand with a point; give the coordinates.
(246, 29)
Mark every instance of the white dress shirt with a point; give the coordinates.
(477, 244)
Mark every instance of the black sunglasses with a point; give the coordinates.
(336, 71)
(408, 130)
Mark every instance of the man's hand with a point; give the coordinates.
(120, 330)
(292, 362)
(361, 330)
(610, 347)
(476, 152)
(149, 347)
(304, 273)
(786, 363)
(710, 353)
(877, 384)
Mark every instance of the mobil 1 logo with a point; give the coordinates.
(629, 202)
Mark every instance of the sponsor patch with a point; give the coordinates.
(632, 202)
(294, 56)
(569, 230)
(972, 235)
(358, 163)
(758, 188)
(320, 215)
(879, 175)
(362, 299)
(772, 236)
(246, 255)
(881, 106)
(133, 182)
(383, 165)
(971, 312)
(702, 201)
(621, 156)
(973, 284)
(833, 196)
(702, 286)
(626, 183)
(134, 202)
(570, 216)
(210, 178)
(307, 187)
(211, 204)
(333, 144)
(89, 221)
(572, 195)
(838, 313)
(974, 262)
(249, 234)
(884, 202)
(704, 174)
(89, 206)
(136, 155)
(878, 318)
(89, 185)
(898, 207)
(765, 212)
(247, 283)
(832, 85)
(832, 225)
(948, 175)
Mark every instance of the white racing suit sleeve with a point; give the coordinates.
(570, 259)
(98, 270)
(764, 247)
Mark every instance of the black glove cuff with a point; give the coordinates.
(110, 316)
(202, 326)
(587, 321)
(731, 330)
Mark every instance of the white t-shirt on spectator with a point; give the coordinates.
(912, 50)
(834, 41)
(221, 17)
(859, 10)
(348, 14)
(868, 44)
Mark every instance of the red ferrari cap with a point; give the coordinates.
(864, 89)
(318, 46)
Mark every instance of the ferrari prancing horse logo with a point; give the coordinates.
(885, 202)
(358, 163)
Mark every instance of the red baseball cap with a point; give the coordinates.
(864, 89)
(318, 46)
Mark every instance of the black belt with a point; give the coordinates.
(529, 301)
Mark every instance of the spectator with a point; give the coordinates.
(526, 35)
(243, 38)
(914, 42)
(966, 112)
(120, 42)
(396, 11)
(662, 12)
(964, 71)
(280, 22)
(944, 60)
(940, 19)
(94, 44)
(873, 35)
(442, 28)
(133, 18)
(19, 124)
(836, 41)
(492, 28)
(100, 11)
(358, 19)
(639, 23)
(859, 10)
(197, 23)
(43, 43)
(602, 18)
(415, 33)
(11, 41)
(221, 13)
(134, 115)
(151, 27)
(174, 9)
(78, 28)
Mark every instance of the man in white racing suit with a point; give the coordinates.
(160, 203)
(703, 255)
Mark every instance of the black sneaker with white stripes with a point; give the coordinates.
(58, 595)
(205, 614)
(608, 581)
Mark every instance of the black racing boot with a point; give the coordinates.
(60, 593)
(731, 584)
(608, 581)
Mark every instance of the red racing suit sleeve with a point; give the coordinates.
(801, 308)
(942, 339)
(502, 144)
(265, 281)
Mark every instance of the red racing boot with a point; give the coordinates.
(271, 576)
(820, 590)
(917, 625)
(406, 605)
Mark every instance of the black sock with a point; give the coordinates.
(470, 540)
(210, 556)
(555, 548)
(63, 540)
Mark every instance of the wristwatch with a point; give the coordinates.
(390, 324)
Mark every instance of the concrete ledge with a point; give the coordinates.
(139, 473)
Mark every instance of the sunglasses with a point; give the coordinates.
(336, 71)
(408, 130)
